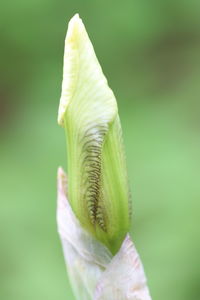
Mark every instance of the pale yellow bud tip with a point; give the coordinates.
(75, 33)
(75, 27)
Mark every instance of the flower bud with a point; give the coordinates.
(98, 189)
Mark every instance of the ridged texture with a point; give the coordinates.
(98, 189)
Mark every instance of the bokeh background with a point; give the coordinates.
(150, 53)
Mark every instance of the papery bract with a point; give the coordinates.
(96, 274)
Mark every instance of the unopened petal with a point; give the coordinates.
(98, 184)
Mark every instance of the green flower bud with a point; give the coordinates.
(97, 176)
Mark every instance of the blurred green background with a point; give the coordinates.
(150, 53)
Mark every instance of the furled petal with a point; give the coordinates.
(98, 186)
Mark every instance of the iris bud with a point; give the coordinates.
(98, 189)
